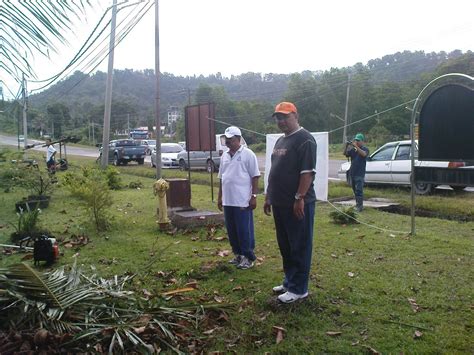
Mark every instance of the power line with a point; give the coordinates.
(77, 58)
(121, 37)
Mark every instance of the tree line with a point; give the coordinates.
(75, 105)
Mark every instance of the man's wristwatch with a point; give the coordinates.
(299, 196)
(254, 195)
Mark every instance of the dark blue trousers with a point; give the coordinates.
(295, 240)
(358, 188)
(239, 225)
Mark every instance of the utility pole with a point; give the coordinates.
(344, 134)
(128, 123)
(108, 91)
(25, 109)
(157, 100)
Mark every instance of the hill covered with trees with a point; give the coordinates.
(75, 105)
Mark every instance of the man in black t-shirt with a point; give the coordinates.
(291, 195)
(358, 153)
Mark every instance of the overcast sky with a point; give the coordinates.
(277, 36)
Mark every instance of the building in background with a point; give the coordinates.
(174, 114)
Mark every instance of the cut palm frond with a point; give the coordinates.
(79, 309)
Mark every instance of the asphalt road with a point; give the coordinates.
(94, 152)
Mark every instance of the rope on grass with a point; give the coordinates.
(366, 224)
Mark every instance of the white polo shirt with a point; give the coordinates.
(236, 175)
(49, 152)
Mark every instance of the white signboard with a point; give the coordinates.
(322, 159)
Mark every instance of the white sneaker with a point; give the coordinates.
(289, 297)
(279, 289)
(245, 263)
(236, 260)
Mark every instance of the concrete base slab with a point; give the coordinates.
(378, 203)
(196, 218)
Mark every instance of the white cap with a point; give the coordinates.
(232, 131)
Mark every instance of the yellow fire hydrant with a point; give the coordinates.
(159, 188)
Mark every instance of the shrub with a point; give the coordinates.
(258, 147)
(344, 216)
(26, 225)
(92, 190)
(135, 185)
(113, 178)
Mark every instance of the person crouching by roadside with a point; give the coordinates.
(238, 186)
(50, 154)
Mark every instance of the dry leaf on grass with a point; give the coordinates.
(350, 274)
(222, 253)
(371, 350)
(279, 333)
(414, 305)
(333, 334)
(192, 283)
(139, 330)
(218, 299)
(417, 334)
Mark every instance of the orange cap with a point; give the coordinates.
(285, 108)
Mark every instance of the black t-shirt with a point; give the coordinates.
(291, 155)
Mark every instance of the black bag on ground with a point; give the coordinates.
(43, 250)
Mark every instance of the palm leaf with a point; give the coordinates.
(33, 27)
(55, 290)
(92, 309)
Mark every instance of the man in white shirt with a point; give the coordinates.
(238, 174)
(50, 153)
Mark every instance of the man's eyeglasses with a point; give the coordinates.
(280, 116)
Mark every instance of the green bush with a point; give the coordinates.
(92, 190)
(135, 185)
(26, 225)
(258, 147)
(344, 216)
(113, 178)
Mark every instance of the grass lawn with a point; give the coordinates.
(370, 290)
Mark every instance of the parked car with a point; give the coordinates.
(149, 145)
(123, 151)
(202, 159)
(199, 160)
(391, 164)
(169, 155)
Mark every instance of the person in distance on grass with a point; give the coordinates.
(50, 154)
(238, 186)
(358, 153)
(291, 195)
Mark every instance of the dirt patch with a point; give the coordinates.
(428, 213)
